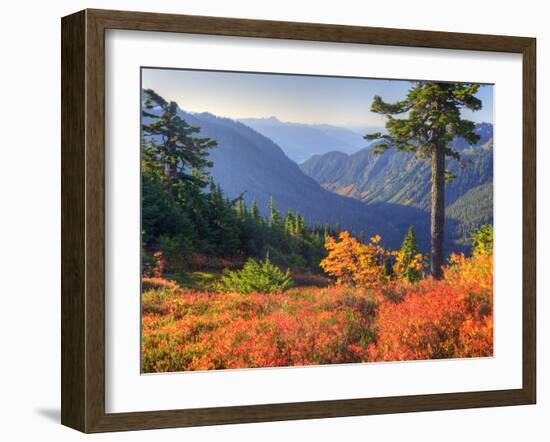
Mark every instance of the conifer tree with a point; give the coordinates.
(299, 225)
(289, 223)
(240, 208)
(255, 211)
(222, 222)
(275, 219)
(182, 154)
(408, 257)
(429, 120)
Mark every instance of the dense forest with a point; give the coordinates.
(186, 215)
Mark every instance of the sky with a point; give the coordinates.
(339, 101)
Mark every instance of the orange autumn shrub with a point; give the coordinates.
(188, 330)
(474, 271)
(353, 263)
(160, 264)
(476, 337)
(451, 318)
(154, 266)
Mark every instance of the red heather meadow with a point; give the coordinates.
(193, 330)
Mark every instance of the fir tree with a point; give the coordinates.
(223, 222)
(430, 120)
(299, 225)
(275, 219)
(182, 154)
(240, 208)
(255, 211)
(289, 223)
(408, 257)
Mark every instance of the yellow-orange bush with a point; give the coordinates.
(364, 265)
(354, 263)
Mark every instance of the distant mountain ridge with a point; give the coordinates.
(399, 178)
(383, 194)
(249, 164)
(300, 141)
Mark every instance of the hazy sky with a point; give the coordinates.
(302, 99)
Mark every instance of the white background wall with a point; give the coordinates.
(30, 217)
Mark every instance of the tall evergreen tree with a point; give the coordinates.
(429, 120)
(289, 222)
(224, 232)
(182, 154)
(299, 225)
(275, 218)
(240, 208)
(255, 211)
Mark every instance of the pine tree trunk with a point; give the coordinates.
(438, 212)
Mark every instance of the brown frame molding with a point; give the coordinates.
(83, 216)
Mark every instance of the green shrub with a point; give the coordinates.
(257, 276)
(482, 239)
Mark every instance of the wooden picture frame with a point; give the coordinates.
(83, 220)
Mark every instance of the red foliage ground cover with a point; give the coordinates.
(451, 318)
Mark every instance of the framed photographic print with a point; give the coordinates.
(267, 221)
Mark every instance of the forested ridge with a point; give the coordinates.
(403, 181)
(187, 217)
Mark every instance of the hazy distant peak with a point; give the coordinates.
(206, 115)
(273, 119)
(300, 141)
(334, 154)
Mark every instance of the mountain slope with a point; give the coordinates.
(301, 141)
(472, 209)
(246, 162)
(400, 179)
